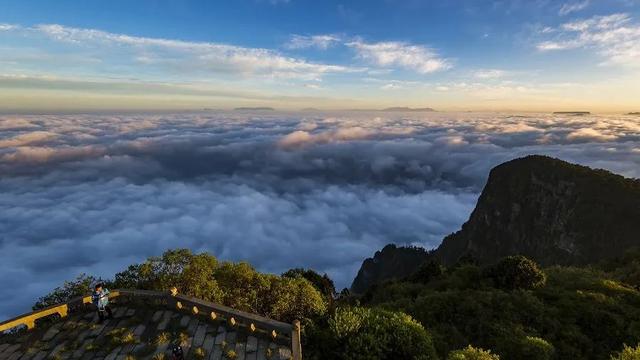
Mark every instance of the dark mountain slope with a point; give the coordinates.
(548, 210)
(391, 262)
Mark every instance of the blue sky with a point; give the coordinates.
(528, 55)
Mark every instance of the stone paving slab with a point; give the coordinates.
(80, 337)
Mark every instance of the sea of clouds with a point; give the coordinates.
(95, 193)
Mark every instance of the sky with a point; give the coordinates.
(526, 55)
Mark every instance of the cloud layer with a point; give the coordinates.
(94, 193)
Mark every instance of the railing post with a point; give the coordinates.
(172, 302)
(63, 311)
(296, 343)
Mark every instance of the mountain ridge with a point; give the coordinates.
(552, 211)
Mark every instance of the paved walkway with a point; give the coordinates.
(138, 332)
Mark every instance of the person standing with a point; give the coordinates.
(100, 299)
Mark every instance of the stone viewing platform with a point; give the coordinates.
(144, 326)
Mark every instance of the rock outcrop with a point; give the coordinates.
(546, 209)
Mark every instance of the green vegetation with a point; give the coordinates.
(578, 313)
(471, 353)
(628, 353)
(237, 285)
(516, 272)
(513, 308)
(365, 333)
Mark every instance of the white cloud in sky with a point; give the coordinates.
(322, 42)
(569, 8)
(489, 74)
(179, 56)
(390, 86)
(615, 37)
(393, 53)
(5, 27)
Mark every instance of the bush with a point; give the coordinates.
(291, 299)
(427, 271)
(535, 348)
(471, 353)
(323, 283)
(628, 353)
(365, 333)
(516, 272)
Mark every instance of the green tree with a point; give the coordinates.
(323, 283)
(471, 353)
(197, 278)
(243, 287)
(535, 348)
(296, 298)
(369, 333)
(427, 271)
(628, 353)
(81, 286)
(516, 272)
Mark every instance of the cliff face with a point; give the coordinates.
(391, 262)
(549, 210)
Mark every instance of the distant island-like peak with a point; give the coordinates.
(257, 108)
(634, 113)
(405, 108)
(575, 113)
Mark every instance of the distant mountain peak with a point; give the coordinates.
(408, 109)
(549, 210)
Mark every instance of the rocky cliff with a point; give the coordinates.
(390, 262)
(548, 210)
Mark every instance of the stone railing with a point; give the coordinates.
(181, 302)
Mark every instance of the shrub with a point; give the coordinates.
(535, 348)
(628, 353)
(323, 283)
(197, 278)
(296, 298)
(516, 272)
(199, 353)
(370, 333)
(471, 353)
(427, 271)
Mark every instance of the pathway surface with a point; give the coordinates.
(141, 332)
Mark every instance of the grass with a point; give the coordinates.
(199, 353)
(162, 338)
(121, 336)
(183, 338)
(231, 354)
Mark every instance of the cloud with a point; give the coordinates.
(27, 139)
(489, 74)
(569, 8)
(390, 86)
(615, 37)
(414, 57)
(280, 190)
(590, 134)
(315, 41)
(6, 27)
(113, 50)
